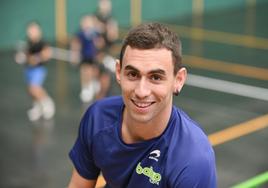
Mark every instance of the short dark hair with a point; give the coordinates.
(154, 35)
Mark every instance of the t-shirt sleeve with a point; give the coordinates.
(81, 153)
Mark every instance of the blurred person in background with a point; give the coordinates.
(87, 43)
(37, 54)
(108, 29)
(107, 25)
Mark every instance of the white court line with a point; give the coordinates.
(228, 87)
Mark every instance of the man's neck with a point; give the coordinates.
(133, 131)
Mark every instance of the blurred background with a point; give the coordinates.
(225, 49)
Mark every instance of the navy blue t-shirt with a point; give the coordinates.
(181, 157)
(89, 50)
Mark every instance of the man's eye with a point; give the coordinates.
(156, 77)
(132, 75)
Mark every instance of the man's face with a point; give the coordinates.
(147, 81)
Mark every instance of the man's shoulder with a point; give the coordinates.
(188, 124)
(185, 117)
(105, 112)
(109, 103)
(189, 136)
(102, 115)
(190, 153)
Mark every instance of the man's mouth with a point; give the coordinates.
(142, 104)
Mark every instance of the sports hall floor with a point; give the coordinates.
(227, 93)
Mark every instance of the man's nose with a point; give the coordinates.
(142, 89)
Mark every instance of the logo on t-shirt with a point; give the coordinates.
(153, 176)
(155, 155)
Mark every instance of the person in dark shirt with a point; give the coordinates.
(37, 53)
(108, 30)
(107, 25)
(88, 42)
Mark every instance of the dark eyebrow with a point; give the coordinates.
(130, 67)
(156, 71)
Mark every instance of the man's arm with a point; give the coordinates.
(78, 181)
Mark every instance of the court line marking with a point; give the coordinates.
(60, 22)
(254, 181)
(238, 130)
(227, 87)
(226, 67)
(201, 34)
(135, 12)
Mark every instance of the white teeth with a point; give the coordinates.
(142, 104)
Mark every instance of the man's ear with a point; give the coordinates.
(117, 70)
(180, 79)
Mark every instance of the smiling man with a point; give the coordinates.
(140, 139)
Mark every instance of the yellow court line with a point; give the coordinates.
(198, 7)
(136, 11)
(239, 130)
(221, 37)
(201, 34)
(60, 22)
(226, 67)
